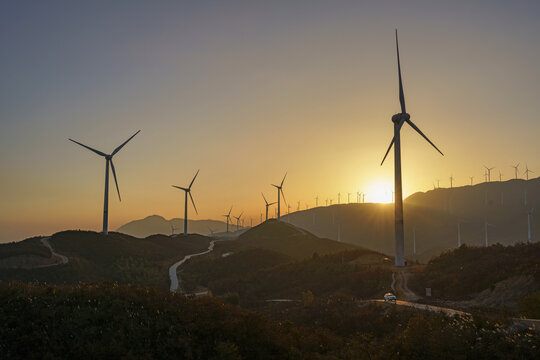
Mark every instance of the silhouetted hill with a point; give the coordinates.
(285, 238)
(156, 224)
(468, 270)
(113, 257)
(434, 216)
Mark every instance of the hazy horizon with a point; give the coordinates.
(246, 91)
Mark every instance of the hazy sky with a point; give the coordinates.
(246, 90)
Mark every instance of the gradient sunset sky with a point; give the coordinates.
(247, 90)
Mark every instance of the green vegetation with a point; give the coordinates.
(109, 321)
(257, 275)
(116, 257)
(30, 246)
(469, 270)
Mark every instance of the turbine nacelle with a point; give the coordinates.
(400, 118)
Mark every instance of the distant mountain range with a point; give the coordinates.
(156, 224)
(432, 217)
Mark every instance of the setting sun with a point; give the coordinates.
(380, 191)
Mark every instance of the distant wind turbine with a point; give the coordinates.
(451, 181)
(489, 173)
(279, 195)
(527, 171)
(228, 216)
(516, 170)
(298, 208)
(399, 120)
(238, 220)
(211, 230)
(187, 191)
(108, 161)
(472, 178)
(267, 205)
(326, 202)
(339, 198)
(349, 198)
(317, 201)
(500, 177)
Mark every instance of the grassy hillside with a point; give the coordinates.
(31, 246)
(156, 224)
(284, 238)
(468, 270)
(119, 322)
(257, 275)
(113, 257)
(434, 216)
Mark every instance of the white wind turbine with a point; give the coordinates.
(238, 220)
(228, 216)
(516, 170)
(186, 192)
(267, 205)
(399, 120)
(279, 195)
(489, 173)
(108, 161)
(527, 171)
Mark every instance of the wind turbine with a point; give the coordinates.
(298, 207)
(211, 230)
(500, 176)
(108, 161)
(529, 233)
(451, 181)
(326, 202)
(238, 220)
(228, 216)
(267, 205)
(317, 201)
(349, 198)
(527, 171)
(186, 192)
(279, 194)
(472, 178)
(516, 170)
(339, 198)
(172, 229)
(399, 120)
(488, 172)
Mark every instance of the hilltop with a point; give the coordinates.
(97, 257)
(156, 224)
(286, 239)
(433, 216)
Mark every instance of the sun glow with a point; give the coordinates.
(380, 191)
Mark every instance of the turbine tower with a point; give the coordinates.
(500, 176)
(186, 192)
(472, 178)
(516, 170)
(267, 205)
(529, 233)
(488, 173)
(399, 120)
(451, 181)
(108, 161)
(228, 216)
(317, 201)
(279, 194)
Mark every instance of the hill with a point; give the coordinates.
(97, 257)
(433, 216)
(287, 239)
(156, 224)
(496, 276)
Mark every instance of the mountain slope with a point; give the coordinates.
(156, 224)
(433, 216)
(113, 257)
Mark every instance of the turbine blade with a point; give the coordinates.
(179, 187)
(242, 213)
(401, 94)
(275, 202)
(89, 148)
(230, 212)
(193, 179)
(124, 143)
(424, 136)
(115, 181)
(282, 194)
(264, 199)
(193, 202)
(282, 181)
(387, 151)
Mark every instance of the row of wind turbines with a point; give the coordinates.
(487, 176)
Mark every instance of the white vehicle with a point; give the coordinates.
(389, 297)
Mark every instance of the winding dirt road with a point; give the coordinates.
(62, 258)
